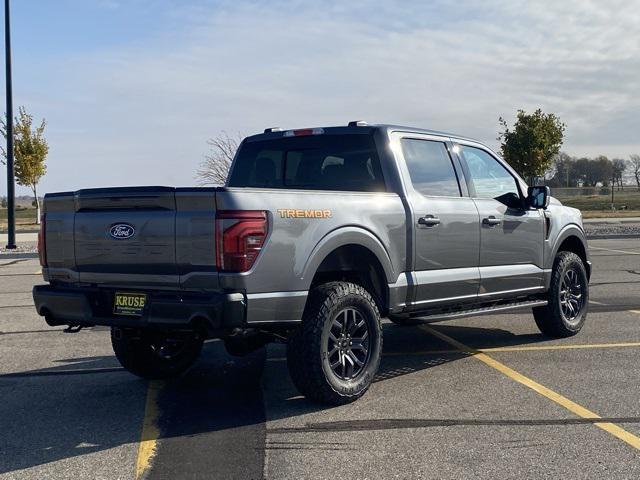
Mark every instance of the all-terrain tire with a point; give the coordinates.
(553, 320)
(309, 356)
(144, 353)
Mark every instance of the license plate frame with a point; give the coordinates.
(131, 304)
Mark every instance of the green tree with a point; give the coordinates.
(604, 169)
(532, 143)
(592, 171)
(30, 152)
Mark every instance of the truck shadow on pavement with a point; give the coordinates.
(91, 404)
(68, 410)
(211, 419)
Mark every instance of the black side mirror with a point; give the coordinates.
(511, 200)
(538, 197)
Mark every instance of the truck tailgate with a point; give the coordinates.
(127, 237)
(126, 234)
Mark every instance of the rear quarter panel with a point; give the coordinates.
(291, 253)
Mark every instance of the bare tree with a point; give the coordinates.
(565, 173)
(592, 171)
(619, 166)
(635, 167)
(215, 166)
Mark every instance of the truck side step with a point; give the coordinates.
(481, 310)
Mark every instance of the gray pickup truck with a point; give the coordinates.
(317, 234)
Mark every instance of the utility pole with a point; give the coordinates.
(11, 193)
(613, 181)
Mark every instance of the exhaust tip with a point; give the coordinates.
(203, 324)
(49, 318)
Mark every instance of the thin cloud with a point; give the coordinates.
(143, 113)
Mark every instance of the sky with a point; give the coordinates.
(132, 89)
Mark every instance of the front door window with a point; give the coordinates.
(489, 178)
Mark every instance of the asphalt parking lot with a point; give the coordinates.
(481, 397)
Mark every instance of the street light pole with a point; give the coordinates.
(11, 194)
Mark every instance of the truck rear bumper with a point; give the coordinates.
(94, 306)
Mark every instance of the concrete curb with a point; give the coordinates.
(13, 256)
(18, 232)
(613, 236)
(611, 220)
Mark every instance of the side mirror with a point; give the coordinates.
(511, 200)
(538, 197)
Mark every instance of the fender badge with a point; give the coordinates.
(292, 213)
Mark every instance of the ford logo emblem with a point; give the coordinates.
(122, 231)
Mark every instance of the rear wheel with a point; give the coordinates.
(568, 297)
(155, 355)
(335, 354)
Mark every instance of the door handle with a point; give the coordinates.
(491, 221)
(429, 221)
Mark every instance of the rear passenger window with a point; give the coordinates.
(430, 168)
(314, 162)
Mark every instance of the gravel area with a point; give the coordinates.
(26, 247)
(609, 228)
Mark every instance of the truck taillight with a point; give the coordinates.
(42, 243)
(240, 235)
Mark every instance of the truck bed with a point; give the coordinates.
(173, 247)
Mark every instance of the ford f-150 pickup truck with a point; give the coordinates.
(317, 235)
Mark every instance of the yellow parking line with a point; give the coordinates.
(560, 347)
(596, 303)
(561, 400)
(150, 430)
(518, 349)
(635, 311)
(498, 349)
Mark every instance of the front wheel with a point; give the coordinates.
(568, 297)
(335, 354)
(155, 355)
